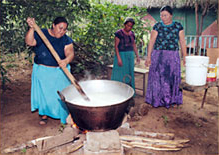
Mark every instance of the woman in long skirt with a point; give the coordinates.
(123, 66)
(47, 75)
(164, 60)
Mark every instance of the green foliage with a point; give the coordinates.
(24, 150)
(13, 26)
(62, 127)
(14, 14)
(96, 34)
(165, 119)
(91, 25)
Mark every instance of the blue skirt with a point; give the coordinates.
(124, 73)
(46, 81)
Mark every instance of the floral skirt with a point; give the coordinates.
(164, 79)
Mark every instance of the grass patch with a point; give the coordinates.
(165, 119)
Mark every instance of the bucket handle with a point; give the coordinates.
(61, 96)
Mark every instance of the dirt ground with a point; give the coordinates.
(188, 121)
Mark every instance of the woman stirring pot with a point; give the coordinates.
(47, 75)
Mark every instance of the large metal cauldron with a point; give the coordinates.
(98, 118)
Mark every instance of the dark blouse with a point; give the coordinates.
(43, 55)
(126, 41)
(168, 36)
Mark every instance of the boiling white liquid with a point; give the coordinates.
(99, 99)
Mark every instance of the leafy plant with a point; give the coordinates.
(91, 25)
(96, 34)
(62, 127)
(13, 17)
(13, 26)
(24, 150)
(165, 119)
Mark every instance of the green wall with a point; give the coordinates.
(187, 18)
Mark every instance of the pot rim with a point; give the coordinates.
(99, 106)
(107, 105)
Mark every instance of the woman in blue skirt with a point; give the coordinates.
(123, 65)
(47, 75)
(164, 75)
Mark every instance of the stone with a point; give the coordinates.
(102, 142)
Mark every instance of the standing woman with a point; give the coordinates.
(124, 58)
(47, 75)
(164, 60)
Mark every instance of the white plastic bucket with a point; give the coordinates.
(196, 70)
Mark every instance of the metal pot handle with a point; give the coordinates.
(61, 96)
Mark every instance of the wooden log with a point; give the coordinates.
(158, 145)
(68, 148)
(153, 140)
(138, 151)
(67, 136)
(150, 146)
(130, 131)
(26, 145)
(158, 149)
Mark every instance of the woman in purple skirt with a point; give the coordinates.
(164, 60)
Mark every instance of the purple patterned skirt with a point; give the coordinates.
(164, 78)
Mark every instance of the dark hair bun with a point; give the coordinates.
(167, 8)
(129, 19)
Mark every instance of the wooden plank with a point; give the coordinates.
(132, 132)
(26, 145)
(68, 148)
(191, 88)
(136, 69)
(141, 70)
(67, 136)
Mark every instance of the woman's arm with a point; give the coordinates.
(29, 38)
(136, 52)
(182, 42)
(69, 53)
(150, 47)
(117, 40)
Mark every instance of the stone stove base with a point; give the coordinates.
(104, 143)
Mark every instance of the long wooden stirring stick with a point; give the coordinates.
(56, 56)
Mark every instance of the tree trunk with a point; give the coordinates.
(204, 12)
(197, 25)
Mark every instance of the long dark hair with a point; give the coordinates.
(167, 8)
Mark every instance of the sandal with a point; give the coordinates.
(43, 121)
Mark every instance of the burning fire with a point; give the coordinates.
(74, 125)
